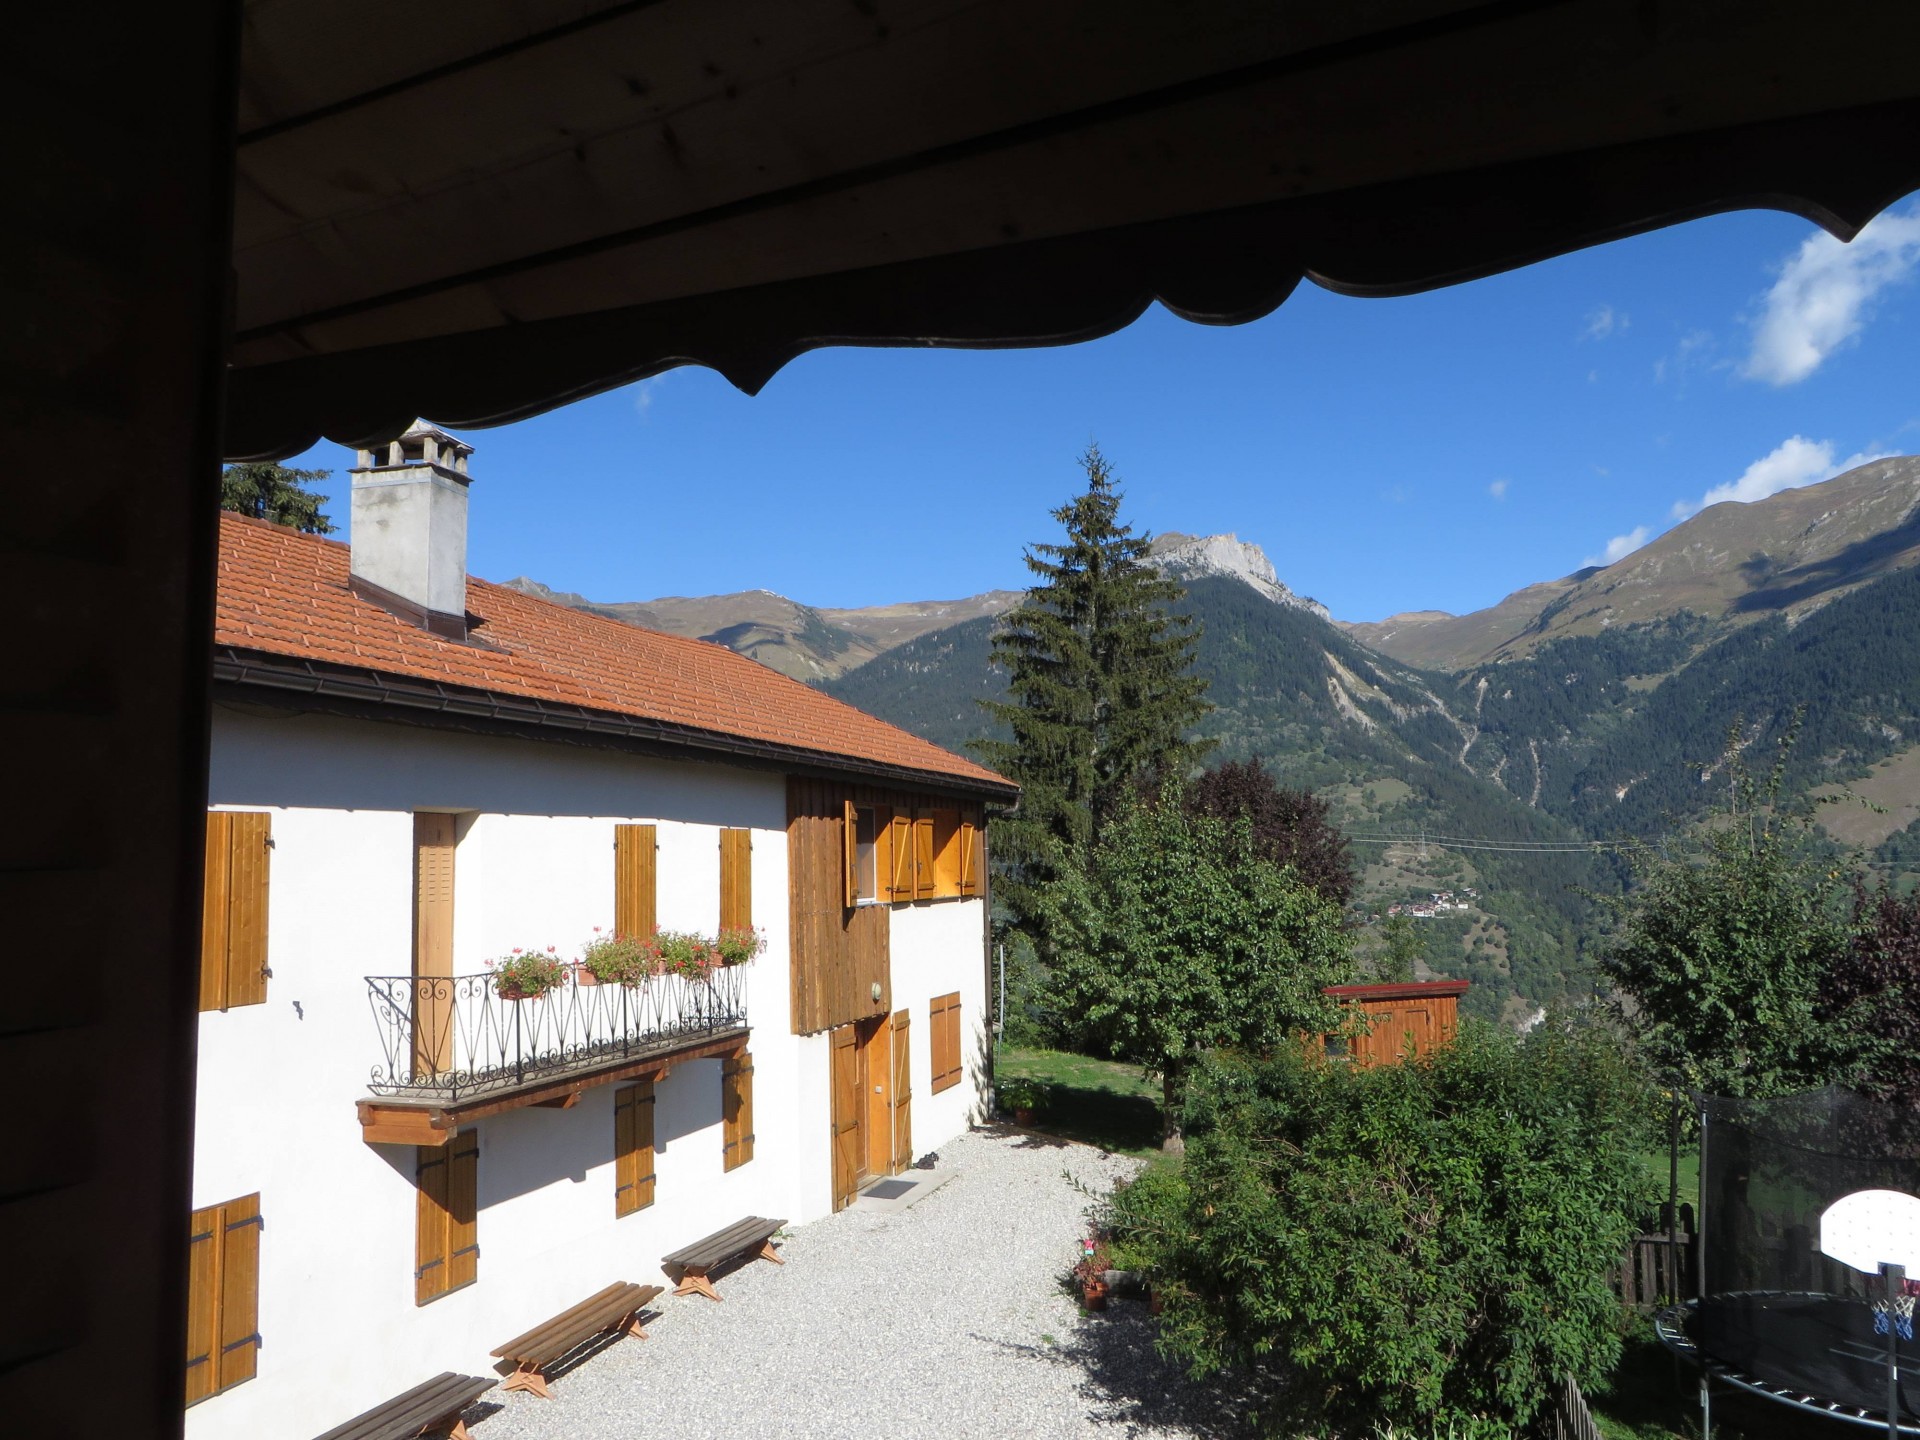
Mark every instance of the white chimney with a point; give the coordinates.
(410, 529)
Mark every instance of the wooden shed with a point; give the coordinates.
(1423, 1013)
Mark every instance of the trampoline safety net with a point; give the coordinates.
(1773, 1306)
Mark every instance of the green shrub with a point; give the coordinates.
(1420, 1246)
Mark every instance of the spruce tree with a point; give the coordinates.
(276, 493)
(1100, 695)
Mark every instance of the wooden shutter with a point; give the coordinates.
(900, 855)
(223, 1296)
(233, 915)
(844, 1084)
(944, 1041)
(636, 853)
(849, 854)
(736, 1104)
(944, 850)
(632, 1148)
(463, 1210)
(925, 871)
(736, 879)
(447, 1246)
(433, 852)
(969, 858)
(901, 1091)
(213, 913)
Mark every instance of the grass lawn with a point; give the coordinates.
(1100, 1102)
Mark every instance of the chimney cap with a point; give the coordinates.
(421, 443)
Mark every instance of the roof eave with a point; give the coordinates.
(371, 693)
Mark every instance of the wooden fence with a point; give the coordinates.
(1656, 1271)
(1568, 1417)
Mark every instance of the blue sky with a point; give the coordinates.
(1427, 452)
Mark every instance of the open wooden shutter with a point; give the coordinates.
(849, 854)
(223, 1296)
(969, 858)
(926, 875)
(213, 912)
(250, 852)
(430, 1230)
(433, 852)
(239, 1290)
(736, 1104)
(844, 1085)
(944, 1041)
(632, 1148)
(900, 855)
(736, 879)
(463, 1210)
(900, 1093)
(636, 851)
(233, 912)
(203, 1303)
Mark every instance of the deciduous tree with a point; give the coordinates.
(1290, 827)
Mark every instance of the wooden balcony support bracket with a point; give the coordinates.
(407, 1121)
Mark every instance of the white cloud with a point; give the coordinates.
(645, 390)
(1824, 296)
(1794, 462)
(1606, 321)
(1498, 489)
(1621, 546)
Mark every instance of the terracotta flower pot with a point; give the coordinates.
(583, 976)
(1155, 1304)
(1023, 1118)
(1093, 1294)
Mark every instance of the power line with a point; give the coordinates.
(1503, 847)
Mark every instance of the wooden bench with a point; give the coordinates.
(615, 1310)
(423, 1408)
(695, 1262)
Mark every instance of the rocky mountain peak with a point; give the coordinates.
(1188, 557)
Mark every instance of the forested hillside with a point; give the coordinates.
(1328, 715)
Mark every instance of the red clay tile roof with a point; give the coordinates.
(282, 593)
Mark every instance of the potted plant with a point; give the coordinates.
(1092, 1273)
(1021, 1097)
(686, 952)
(614, 960)
(528, 974)
(740, 944)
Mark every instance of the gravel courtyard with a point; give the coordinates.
(945, 1319)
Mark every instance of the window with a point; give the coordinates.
(736, 879)
(896, 854)
(636, 851)
(736, 1108)
(447, 1245)
(632, 1148)
(233, 916)
(223, 1296)
(944, 1039)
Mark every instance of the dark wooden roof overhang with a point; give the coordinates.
(358, 692)
(518, 205)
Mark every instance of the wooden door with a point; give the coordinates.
(876, 1150)
(849, 1108)
(901, 1093)
(433, 837)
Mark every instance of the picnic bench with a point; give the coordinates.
(615, 1310)
(752, 1237)
(426, 1407)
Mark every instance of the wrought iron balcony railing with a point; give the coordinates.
(454, 1037)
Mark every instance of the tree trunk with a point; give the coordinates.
(1172, 1141)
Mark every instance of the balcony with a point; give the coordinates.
(453, 1049)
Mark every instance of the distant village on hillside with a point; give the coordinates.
(1440, 902)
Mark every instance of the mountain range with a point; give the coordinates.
(1591, 707)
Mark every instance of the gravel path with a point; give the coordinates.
(944, 1320)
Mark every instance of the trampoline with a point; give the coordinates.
(1809, 1227)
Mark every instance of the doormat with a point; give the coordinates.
(890, 1196)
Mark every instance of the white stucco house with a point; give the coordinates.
(396, 1167)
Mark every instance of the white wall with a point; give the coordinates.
(534, 866)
